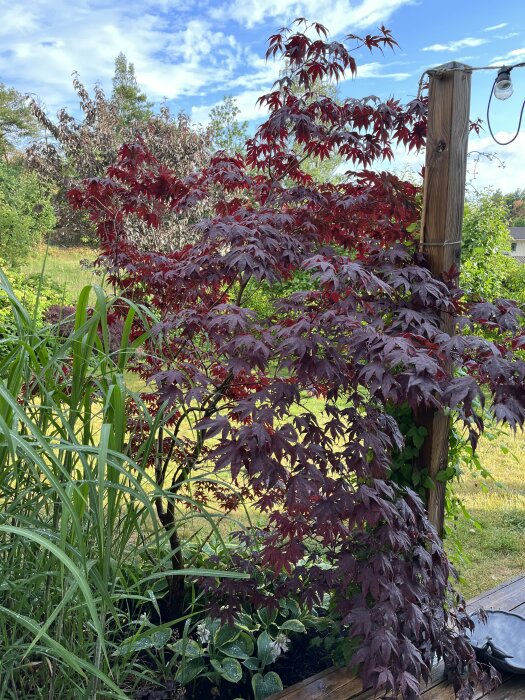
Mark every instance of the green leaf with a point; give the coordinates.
(224, 635)
(246, 622)
(152, 640)
(264, 686)
(160, 638)
(231, 670)
(187, 648)
(419, 438)
(240, 648)
(445, 474)
(217, 666)
(294, 626)
(264, 649)
(189, 670)
(252, 663)
(267, 617)
(428, 483)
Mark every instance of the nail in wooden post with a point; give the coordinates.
(443, 200)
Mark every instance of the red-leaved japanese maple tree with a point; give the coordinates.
(366, 337)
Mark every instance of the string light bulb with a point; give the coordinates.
(502, 89)
(503, 84)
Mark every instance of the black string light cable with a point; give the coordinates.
(501, 90)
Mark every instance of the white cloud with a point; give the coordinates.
(489, 166)
(496, 26)
(456, 45)
(173, 55)
(504, 169)
(17, 19)
(262, 80)
(337, 15)
(377, 70)
(245, 101)
(515, 56)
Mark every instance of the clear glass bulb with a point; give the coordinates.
(503, 88)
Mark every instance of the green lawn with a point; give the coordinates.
(496, 551)
(493, 552)
(63, 266)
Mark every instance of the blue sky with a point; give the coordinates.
(192, 52)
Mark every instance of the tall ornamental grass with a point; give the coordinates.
(83, 561)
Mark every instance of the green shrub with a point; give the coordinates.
(26, 213)
(35, 292)
(514, 282)
(262, 297)
(485, 247)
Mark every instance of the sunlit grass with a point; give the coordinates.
(495, 551)
(62, 265)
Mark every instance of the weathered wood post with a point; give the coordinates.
(443, 200)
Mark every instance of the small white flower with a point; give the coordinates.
(279, 645)
(203, 634)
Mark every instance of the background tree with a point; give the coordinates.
(26, 211)
(321, 169)
(514, 203)
(517, 208)
(132, 105)
(485, 247)
(71, 149)
(228, 133)
(16, 119)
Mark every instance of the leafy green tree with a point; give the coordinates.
(16, 120)
(514, 203)
(132, 105)
(514, 282)
(26, 212)
(227, 132)
(322, 170)
(485, 247)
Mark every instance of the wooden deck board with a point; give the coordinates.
(338, 684)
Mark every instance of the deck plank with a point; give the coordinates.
(510, 594)
(338, 683)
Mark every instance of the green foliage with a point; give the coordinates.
(81, 553)
(241, 652)
(227, 132)
(404, 470)
(462, 460)
(14, 231)
(35, 292)
(26, 213)
(16, 119)
(515, 205)
(132, 104)
(485, 247)
(514, 282)
(261, 296)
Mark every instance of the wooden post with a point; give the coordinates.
(443, 200)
